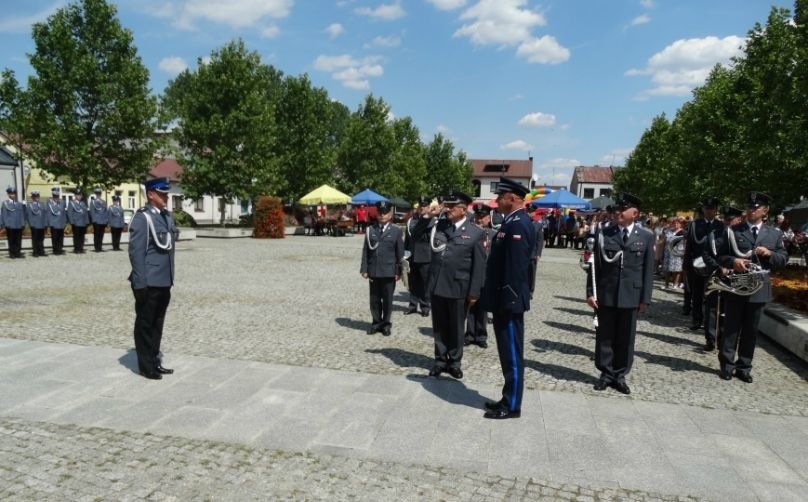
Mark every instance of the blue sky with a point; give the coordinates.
(570, 82)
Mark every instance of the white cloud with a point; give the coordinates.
(334, 30)
(641, 19)
(559, 163)
(686, 63)
(22, 24)
(537, 119)
(499, 22)
(270, 31)
(352, 73)
(384, 12)
(173, 65)
(234, 13)
(391, 41)
(516, 97)
(517, 145)
(647, 3)
(447, 4)
(443, 129)
(616, 157)
(544, 50)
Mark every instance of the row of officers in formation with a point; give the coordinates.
(55, 214)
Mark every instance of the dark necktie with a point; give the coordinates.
(754, 232)
(625, 235)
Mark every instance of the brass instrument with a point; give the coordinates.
(742, 284)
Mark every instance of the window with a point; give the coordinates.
(606, 192)
(245, 206)
(494, 186)
(131, 199)
(589, 193)
(476, 185)
(199, 205)
(176, 202)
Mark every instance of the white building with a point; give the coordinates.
(486, 173)
(589, 182)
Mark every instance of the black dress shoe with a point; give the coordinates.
(468, 342)
(410, 311)
(725, 375)
(372, 329)
(386, 331)
(696, 327)
(151, 376)
(456, 373)
(744, 377)
(483, 344)
(494, 405)
(500, 413)
(164, 371)
(424, 313)
(622, 387)
(436, 371)
(600, 385)
(709, 346)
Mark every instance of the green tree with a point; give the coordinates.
(446, 169)
(86, 113)
(224, 122)
(407, 165)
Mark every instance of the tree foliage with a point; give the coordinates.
(86, 113)
(446, 169)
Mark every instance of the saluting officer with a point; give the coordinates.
(456, 277)
(56, 214)
(78, 217)
(624, 276)
(506, 294)
(100, 218)
(12, 218)
(696, 241)
(152, 234)
(477, 319)
(416, 241)
(745, 247)
(116, 222)
(381, 266)
(37, 218)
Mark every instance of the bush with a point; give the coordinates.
(790, 287)
(268, 218)
(183, 219)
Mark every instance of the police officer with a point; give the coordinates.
(152, 234)
(696, 240)
(745, 247)
(116, 222)
(100, 218)
(37, 218)
(506, 294)
(78, 217)
(12, 218)
(456, 277)
(56, 214)
(416, 241)
(477, 319)
(381, 266)
(624, 276)
(538, 247)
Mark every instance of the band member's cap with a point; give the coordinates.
(507, 185)
(457, 197)
(161, 185)
(55, 191)
(384, 206)
(77, 191)
(11, 189)
(757, 199)
(710, 202)
(482, 210)
(625, 200)
(731, 212)
(35, 193)
(97, 190)
(423, 201)
(116, 197)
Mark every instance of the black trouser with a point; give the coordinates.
(509, 329)
(150, 313)
(740, 330)
(14, 237)
(57, 240)
(38, 241)
(477, 324)
(448, 327)
(78, 238)
(98, 235)
(695, 285)
(381, 300)
(614, 342)
(710, 311)
(419, 275)
(531, 273)
(116, 237)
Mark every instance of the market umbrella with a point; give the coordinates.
(561, 199)
(367, 197)
(400, 203)
(325, 195)
(601, 202)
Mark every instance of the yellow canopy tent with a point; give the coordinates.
(325, 194)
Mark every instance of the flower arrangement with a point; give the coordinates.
(790, 287)
(268, 218)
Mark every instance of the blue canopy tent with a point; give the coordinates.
(561, 199)
(367, 197)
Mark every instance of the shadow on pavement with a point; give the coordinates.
(588, 312)
(129, 360)
(676, 363)
(450, 390)
(426, 331)
(560, 372)
(675, 340)
(352, 324)
(564, 348)
(404, 358)
(573, 328)
(575, 299)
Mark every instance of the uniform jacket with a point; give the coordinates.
(77, 214)
(35, 214)
(697, 238)
(152, 266)
(12, 214)
(506, 276)
(56, 213)
(385, 260)
(769, 237)
(458, 271)
(98, 212)
(115, 216)
(626, 282)
(416, 239)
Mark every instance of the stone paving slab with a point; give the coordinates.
(575, 439)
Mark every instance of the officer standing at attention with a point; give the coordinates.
(745, 247)
(506, 294)
(456, 277)
(381, 266)
(477, 319)
(37, 221)
(624, 268)
(12, 218)
(78, 217)
(416, 241)
(56, 214)
(152, 235)
(696, 240)
(100, 218)
(538, 247)
(115, 216)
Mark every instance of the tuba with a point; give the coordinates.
(742, 284)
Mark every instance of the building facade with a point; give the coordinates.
(589, 182)
(486, 174)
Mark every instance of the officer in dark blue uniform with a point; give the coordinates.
(100, 218)
(456, 276)
(538, 247)
(56, 213)
(696, 240)
(152, 234)
(12, 218)
(37, 222)
(78, 217)
(381, 266)
(506, 294)
(624, 278)
(416, 241)
(477, 319)
(116, 221)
